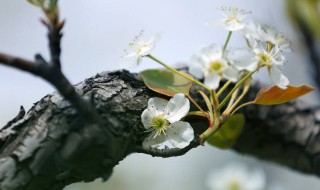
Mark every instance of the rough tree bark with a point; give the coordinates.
(52, 146)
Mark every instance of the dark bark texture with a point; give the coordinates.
(52, 146)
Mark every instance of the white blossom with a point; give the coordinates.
(268, 34)
(233, 19)
(137, 49)
(162, 118)
(211, 64)
(236, 176)
(267, 44)
(274, 60)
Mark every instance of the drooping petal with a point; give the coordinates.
(180, 134)
(178, 107)
(159, 142)
(278, 78)
(212, 80)
(128, 62)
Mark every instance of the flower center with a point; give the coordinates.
(160, 124)
(140, 49)
(234, 185)
(233, 19)
(264, 59)
(216, 66)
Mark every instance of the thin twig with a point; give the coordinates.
(165, 153)
(54, 76)
(54, 36)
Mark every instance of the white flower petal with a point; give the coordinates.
(159, 142)
(128, 62)
(278, 78)
(196, 67)
(213, 52)
(256, 180)
(180, 134)
(137, 49)
(233, 26)
(154, 40)
(157, 105)
(150, 45)
(231, 74)
(146, 118)
(233, 18)
(236, 174)
(266, 33)
(178, 107)
(212, 80)
(243, 59)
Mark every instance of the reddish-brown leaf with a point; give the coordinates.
(275, 95)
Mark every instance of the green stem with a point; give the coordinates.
(223, 88)
(244, 92)
(235, 88)
(233, 97)
(215, 103)
(178, 72)
(198, 113)
(210, 131)
(241, 106)
(195, 103)
(227, 41)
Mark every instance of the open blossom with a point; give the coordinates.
(236, 176)
(268, 34)
(162, 118)
(137, 49)
(211, 64)
(270, 56)
(233, 19)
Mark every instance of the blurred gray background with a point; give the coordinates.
(95, 35)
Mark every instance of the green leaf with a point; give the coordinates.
(275, 95)
(165, 82)
(227, 135)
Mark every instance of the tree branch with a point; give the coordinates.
(54, 76)
(52, 146)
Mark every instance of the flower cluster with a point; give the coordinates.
(213, 63)
(265, 47)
